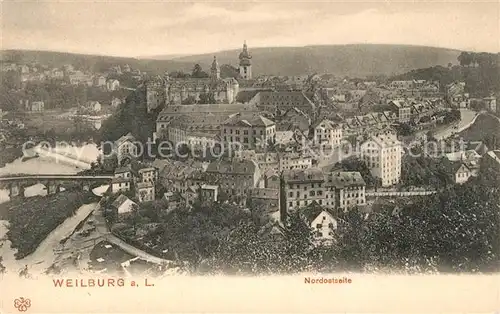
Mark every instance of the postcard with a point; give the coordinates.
(249, 157)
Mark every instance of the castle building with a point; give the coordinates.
(163, 91)
(245, 63)
(179, 123)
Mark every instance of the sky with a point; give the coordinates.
(148, 28)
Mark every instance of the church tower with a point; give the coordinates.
(245, 63)
(215, 70)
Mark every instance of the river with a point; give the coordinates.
(59, 160)
(50, 163)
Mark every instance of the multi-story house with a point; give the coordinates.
(179, 177)
(350, 188)
(331, 190)
(145, 191)
(147, 174)
(402, 109)
(278, 161)
(382, 153)
(125, 149)
(235, 177)
(251, 132)
(301, 187)
(191, 120)
(326, 133)
(122, 180)
(119, 184)
(455, 95)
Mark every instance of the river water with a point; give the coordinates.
(54, 162)
(59, 160)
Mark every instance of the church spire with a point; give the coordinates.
(215, 70)
(245, 62)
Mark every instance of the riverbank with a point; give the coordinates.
(31, 220)
(484, 128)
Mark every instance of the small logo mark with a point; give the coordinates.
(22, 304)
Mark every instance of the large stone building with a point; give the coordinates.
(250, 131)
(326, 133)
(179, 123)
(383, 153)
(163, 91)
(332, 190)
(235, 178)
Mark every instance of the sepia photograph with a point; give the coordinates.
(289, 152)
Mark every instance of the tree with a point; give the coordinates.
(179, 74)
(356, 164)
(190, 100)
(207, 98)
(198, 72)
(464, 58)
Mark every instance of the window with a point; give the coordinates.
(319, 226)
(312, 193)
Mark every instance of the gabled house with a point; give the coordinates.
(322, 223)
(462, 174)
(325, 132)
(123, 205)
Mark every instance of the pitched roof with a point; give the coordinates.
(235, 166)
(124, 138)
(119, 201)
(312, 211)
(122, 169)
(341, 179)
(303, 175)
(326, 122)
(249, 120)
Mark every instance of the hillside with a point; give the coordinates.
(481, 79)
(341, 60)
(91, 62)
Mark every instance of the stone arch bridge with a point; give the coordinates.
(53, 182)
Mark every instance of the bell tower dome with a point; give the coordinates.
(245, 63)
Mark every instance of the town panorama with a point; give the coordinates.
(115, 165)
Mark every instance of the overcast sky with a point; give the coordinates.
(142, 28)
